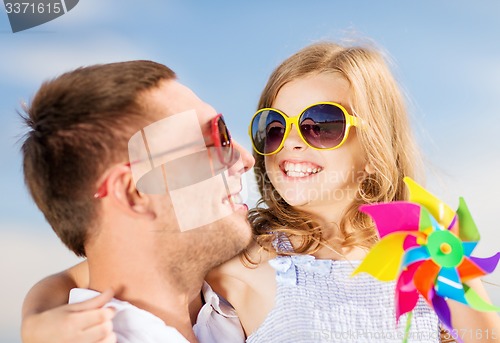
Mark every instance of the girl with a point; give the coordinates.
(331, 134)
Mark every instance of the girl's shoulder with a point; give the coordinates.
(243, 267)
(249, 288)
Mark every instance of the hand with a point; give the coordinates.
(85, 322)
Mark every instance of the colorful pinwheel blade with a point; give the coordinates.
(426, 222)
(394, 216)
(469, 247)
(425, 277)
(442, 310)
(467, 227)
(415, 254)
(384, 259)
(468, 270)
(405, 280)
(448, 285)
(406, 296)
(478, 303)
(487, 264)
(410, 242)
(442, 212)
(405, 302)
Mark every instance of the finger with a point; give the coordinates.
(91, 318)
(109, 339)
(98, 333)
(96, 302)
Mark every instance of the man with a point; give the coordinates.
(105, 163)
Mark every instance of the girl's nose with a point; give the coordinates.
(294, 142)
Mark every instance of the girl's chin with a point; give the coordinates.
(296, 201)
(305, 203)
(297, 204)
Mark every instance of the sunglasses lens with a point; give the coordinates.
(323, 126)
(268, 130)
(226, 146)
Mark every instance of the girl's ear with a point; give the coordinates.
(369, 168)
(121, 190)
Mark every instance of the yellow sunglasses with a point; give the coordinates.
(322, 126)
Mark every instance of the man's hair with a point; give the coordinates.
(79, 125)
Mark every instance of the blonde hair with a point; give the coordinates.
(387, 142)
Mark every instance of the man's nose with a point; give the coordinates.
(246, 158)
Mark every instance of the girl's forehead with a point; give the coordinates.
(302, 92)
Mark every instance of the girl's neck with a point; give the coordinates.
(349, 254)
(331, 216)
(331, 212)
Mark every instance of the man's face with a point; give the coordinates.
(205, 203)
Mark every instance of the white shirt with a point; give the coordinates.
(217, 321)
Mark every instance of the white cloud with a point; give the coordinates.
(89, 11)
(84, 15)
(34, 61)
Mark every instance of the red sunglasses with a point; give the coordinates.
(221, 139)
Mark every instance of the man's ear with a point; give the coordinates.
(121, 189)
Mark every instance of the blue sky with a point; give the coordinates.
(446, 55)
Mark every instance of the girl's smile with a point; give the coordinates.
(299, 169)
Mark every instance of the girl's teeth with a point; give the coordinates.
(297, 174)
(299, 170)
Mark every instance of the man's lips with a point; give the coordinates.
(235, 201)
(234, 198)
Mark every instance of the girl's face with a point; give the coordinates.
(314, 179)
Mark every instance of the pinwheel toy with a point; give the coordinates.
(427, 247)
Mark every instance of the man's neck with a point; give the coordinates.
(172, 295)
